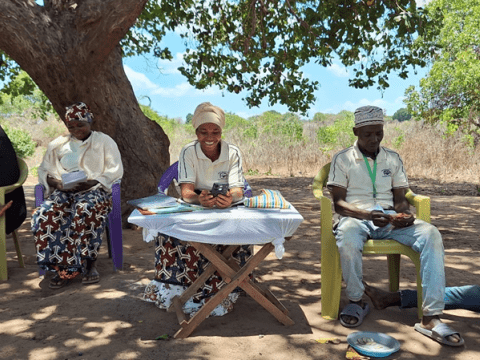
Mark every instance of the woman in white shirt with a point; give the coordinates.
(202, 163)
(69, 224)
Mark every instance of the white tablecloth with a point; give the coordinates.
(233, 226)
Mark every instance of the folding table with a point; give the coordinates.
(233, 227)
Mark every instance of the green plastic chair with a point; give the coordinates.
(3, 236)
(330, 257)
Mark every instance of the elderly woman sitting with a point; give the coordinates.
(68, 226)
(202, 163)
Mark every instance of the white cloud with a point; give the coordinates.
(170, 67)
(185, 89)
(338, 70)
(142, 85)
(139, 80)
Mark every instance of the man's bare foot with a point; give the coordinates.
(381, 299)
(429, 322)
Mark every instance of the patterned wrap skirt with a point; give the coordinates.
(177, 266)
(68, 229)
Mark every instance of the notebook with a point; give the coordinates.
(69, 180)
(156, 201)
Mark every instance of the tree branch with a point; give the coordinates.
(98, 26)
(20, 23)
(105, 22)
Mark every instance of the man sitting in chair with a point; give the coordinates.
(368, 184)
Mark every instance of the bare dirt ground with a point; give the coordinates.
(109, 321)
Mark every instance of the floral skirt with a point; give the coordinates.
(68, 229)
(177, 266)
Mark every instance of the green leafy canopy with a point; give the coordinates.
(450, 92)
(258, 47)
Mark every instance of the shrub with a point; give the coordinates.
(273, 126)
(53, 131)
(337, 135)
(168, 125)
(22, 142)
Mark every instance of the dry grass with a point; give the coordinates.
(426, 151)
(428, 154)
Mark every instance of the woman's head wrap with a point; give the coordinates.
(208, 113)
(79, 112)
(368, 115)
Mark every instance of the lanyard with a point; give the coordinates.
(373, 174)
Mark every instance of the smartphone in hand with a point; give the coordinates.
(218, 189)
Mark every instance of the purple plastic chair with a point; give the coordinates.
(172, 173)
(113, 227)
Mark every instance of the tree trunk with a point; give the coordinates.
(72, 54)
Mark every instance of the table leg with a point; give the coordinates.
(267, 300)
(192, 289)
(238, 278)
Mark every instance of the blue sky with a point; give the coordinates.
(160, 85)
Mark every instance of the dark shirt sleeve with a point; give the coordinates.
(9, 174)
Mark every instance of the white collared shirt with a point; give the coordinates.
(349, 171)
(196, 168)
(98, 157)
(69, 154)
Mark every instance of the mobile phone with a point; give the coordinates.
(218, 189)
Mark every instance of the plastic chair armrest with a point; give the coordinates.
(10, 188)
(318, 187)
(326, 217)
(421, 203)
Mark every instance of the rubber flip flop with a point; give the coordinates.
(93, 273)
(57, 282)
(440, 333)
(356, 311)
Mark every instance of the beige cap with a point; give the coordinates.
(208, 113)
(368, 115)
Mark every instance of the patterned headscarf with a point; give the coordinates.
(79, 112)
(368, 115)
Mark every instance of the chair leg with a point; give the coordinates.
(394, 271)
(109, 239)
(3, 260)
(116, 241)
(331, 286)
(416, 261)
(17, 247)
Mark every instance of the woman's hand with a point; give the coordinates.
(145, 212)
(5, 207)
(206, 199)
(55, 183)
(83, 186)
(224, 201)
